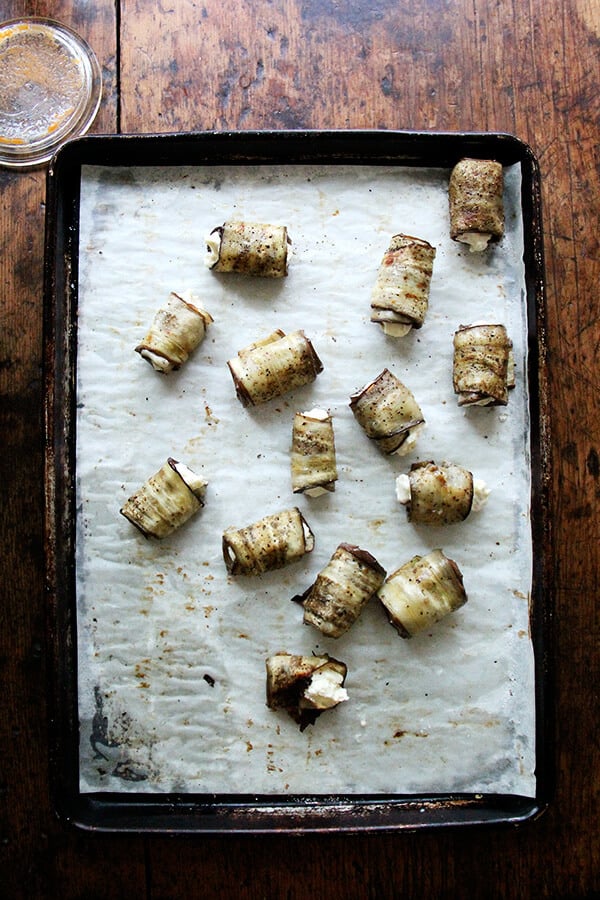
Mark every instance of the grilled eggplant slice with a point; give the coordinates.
(342, 590)
(389, 414)
(400, 297)
(440, 494)
(305, 686)
(166, 500)
(273, 366)
(177, 329)
(271, 543)
(249, 248)
(483, 369)
(313, 459)
(476, 203)
(421, 592)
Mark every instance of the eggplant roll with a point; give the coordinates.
(249, 248)
(273, 366)
(177, 329)
(305, 686)
(342, 590)
(312, 459)
(483, 369)
(476, 203)
(166, 500)
(439, 495)
(271, 543)
(421, 592)
(389, 414)
(400, 296)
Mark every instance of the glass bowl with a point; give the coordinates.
(50, 89)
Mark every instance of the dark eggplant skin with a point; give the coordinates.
(422, 592)
(270, 543)
(288, 677)
(252, 248)
(482, 370)
(387, 411)
(342, 589)
(273, 366)
(313, 456)
(439, 494)
(400, 295)
(165, 501)
(177, 329)
(475, 198)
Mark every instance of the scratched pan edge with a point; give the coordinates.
(197, 813)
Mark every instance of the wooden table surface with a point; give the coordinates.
(529, 68)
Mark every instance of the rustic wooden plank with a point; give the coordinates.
(568, 151)
(38, 856)
(311, 64)
(525, 67)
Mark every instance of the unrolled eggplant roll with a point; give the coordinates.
(342, 590)
(271, 543)
(421, 592)
(483, 370)
(389, 414)
(400, 296)
(249, 248)
(305, 686)
(166, 500)
(476, 203)
(440, 495)
(312, 459)
(273, 366)
(177, 329)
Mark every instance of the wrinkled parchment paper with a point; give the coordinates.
(171, 650)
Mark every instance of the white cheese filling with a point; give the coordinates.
(325, 689)
(159, 363)
(309, 539)
(316, 413)
(395, 329)
(409, 444)
(476, 241)
(196, 484)
(316, 491)
(486, 401)
(213, 248)
(403, 489)
(481, 492)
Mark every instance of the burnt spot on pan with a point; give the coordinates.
(99, 736)
(112, 756)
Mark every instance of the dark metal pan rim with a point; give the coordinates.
(182, 814)
(338, 145)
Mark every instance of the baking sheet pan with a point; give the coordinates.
(322, 164)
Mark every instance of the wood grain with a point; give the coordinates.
(530, 68)
(37, 858)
